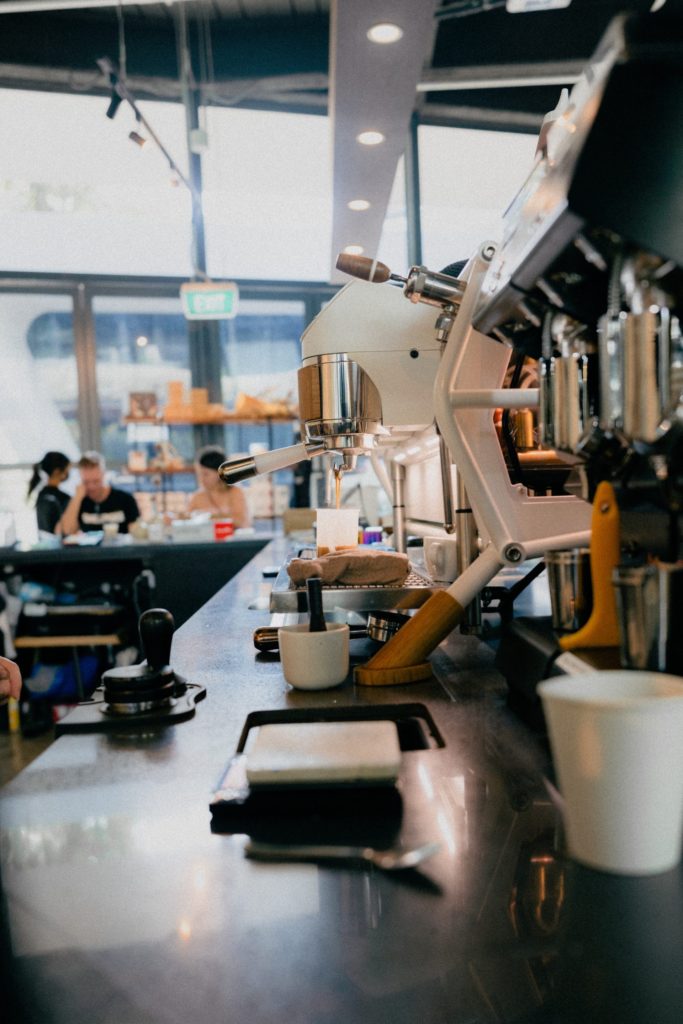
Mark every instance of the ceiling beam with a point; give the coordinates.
(372, 87)
(500, 76)
(40, 6)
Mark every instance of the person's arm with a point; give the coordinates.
(132, 511)
(69, 521)
(48, 512)
(10, 679)
(240, 510)
(197, 502)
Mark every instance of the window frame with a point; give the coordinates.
(83, 289)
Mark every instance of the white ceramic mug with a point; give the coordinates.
(617, 745)
(314, 661)
(441, 558)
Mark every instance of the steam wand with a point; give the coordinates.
(421, 284)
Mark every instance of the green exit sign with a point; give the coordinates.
(209, 300)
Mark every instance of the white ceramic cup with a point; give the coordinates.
(314, 661)
(617, 746)
(441, 558)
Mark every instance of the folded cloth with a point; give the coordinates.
(356, 566)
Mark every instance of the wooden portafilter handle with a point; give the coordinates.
(363, 267)
(403, 658)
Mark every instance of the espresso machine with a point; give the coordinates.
(588, 281)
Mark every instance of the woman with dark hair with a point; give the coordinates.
(53, 468)
(214, 496)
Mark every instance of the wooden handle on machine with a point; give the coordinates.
(602, 628)
(403, 658)
(363, 267)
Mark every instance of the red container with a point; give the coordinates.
(223, 528)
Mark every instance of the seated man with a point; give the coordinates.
(96, 502)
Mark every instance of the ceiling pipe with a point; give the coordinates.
(40, 6)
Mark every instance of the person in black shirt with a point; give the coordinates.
(96, 502)
(51, 503)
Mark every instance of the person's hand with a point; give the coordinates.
(79, 493)
(10, 679)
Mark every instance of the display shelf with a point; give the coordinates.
(214, 421)
(156, 471)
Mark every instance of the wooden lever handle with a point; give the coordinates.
(403, 658)
(363, 267)
(602, 628)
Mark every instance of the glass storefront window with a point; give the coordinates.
(39, 408)
(260, 355)
(76, 195)
(467, 179)
(393, 243)
(267, 195)
(142, 344)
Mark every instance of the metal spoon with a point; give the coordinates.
(387, 860)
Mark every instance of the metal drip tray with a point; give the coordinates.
(285, 597)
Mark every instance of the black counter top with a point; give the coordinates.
(121, 552)
(123, 906)
(185, 575)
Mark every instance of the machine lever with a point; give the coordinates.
(366, 269)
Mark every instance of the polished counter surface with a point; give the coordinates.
(121, 904)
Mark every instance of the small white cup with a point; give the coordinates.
(441, 558)
(617, 745)
(110, 531)
(314, 661)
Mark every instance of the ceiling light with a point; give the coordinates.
(370, 138)
(358, 204)
(384, 32)
(141, 341)
(138, 139)
(354, 250)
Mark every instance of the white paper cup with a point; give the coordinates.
(336, 529)
(617, 746)
(314, 661)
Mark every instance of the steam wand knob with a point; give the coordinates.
(367, 269)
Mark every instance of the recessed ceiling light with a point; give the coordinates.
(384, 32)
(370, 138)
(141, 341)
(358, 204)
(354, 250)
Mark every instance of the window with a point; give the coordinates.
(260, 356)
(267, 195)
(39, 408)
(40, 401)
(393, 243)
(467, 179)
(76, 195)
(142, 344)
